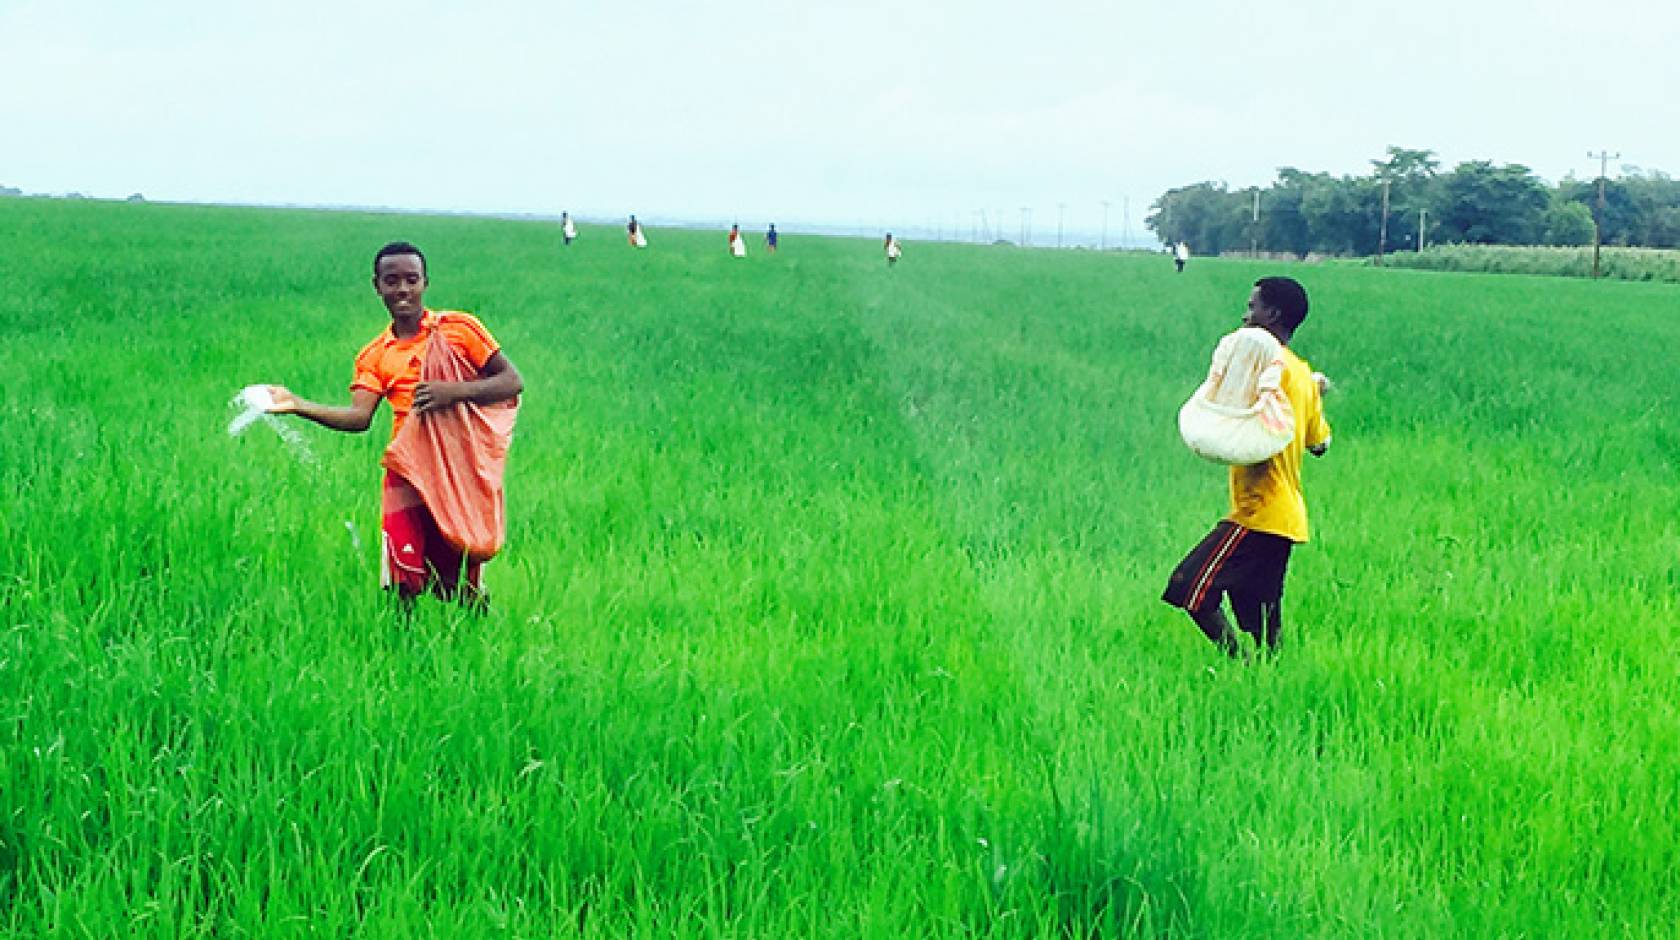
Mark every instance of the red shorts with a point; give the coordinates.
(416, 558)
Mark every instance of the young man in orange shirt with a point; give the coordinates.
(1247, 553)
(416, 558)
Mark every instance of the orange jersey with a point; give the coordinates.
(390, 367)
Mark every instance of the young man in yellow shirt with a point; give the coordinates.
(1245, 556)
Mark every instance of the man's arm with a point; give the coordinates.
(498, 381)
(354, 419)
(1321, 428)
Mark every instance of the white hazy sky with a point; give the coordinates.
(858, 113)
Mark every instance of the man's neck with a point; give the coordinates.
(405, 327)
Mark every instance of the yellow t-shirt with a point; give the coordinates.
(1267, 496)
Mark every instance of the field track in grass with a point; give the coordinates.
(830, 606)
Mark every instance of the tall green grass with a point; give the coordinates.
(830, 602)
(1628, 264)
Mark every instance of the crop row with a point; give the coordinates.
(1628, 264)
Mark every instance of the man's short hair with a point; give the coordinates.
(1287, 297)
(399, 248)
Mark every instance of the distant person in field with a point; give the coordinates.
(737, 244)
(1245, 556)
(894, 251)
(771, 238)
(1181, 254)
(435, 535)
(568, 230)
(638, 237)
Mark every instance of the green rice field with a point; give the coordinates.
(830, 606)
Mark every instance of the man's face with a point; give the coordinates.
(1259, 314)
(401, 283)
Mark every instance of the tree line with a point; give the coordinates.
(1477, 202)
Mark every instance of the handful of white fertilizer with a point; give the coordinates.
(256, 402)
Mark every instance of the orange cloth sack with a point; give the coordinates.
(455, 457)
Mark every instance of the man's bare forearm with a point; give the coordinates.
(492, 389)
(339, 419)
(499, 382)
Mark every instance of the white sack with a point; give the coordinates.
(1240, 414)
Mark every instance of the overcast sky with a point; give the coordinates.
(903, 114)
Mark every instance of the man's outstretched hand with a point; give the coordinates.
(283, 401)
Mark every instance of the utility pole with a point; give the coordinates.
(1422, 215)
(1254, 227)
(1382, 230)
(1102, 245)
(1125, 221)
(1060, 207)
(1604, 158)
(1026, 226)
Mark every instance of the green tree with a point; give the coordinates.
(1412, 178)
(1568, 223)
(1649, 194)
(1665, 232)
(1486, 204)
(1284, 225)
(1636, 207)
(1207, 216)
(1343, 214)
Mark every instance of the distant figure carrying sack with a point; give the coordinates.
(1240, 414)
(894, 252)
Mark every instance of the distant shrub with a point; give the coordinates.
(1629, 264)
